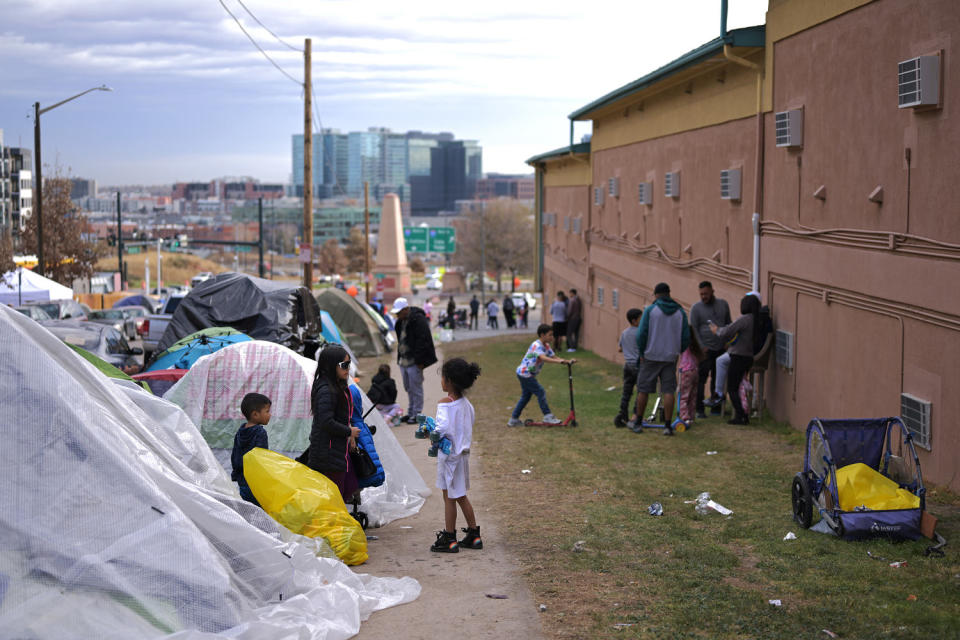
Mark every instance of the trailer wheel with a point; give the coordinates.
(802, 500)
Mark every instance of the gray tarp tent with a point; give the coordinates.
(359, 329)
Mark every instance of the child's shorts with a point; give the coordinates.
(453, 473)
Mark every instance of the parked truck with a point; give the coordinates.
(154, 325)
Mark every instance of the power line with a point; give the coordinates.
(283, 42)
(249, 37)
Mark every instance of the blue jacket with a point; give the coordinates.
(365, 440)
(662, 336)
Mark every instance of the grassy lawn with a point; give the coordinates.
(684, 575)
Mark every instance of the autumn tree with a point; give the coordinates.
(330, 258)
(6, 254)
(417, 266)
(358, 251)
(499, 236)
(70, 248)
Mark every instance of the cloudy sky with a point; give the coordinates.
(193, 99)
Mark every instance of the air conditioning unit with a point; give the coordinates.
(613, 187)
(783, 346)
(789, 128)
(671, 184)
(645, 193)
(918, 82)
(730, 184)
(916, 416)
(597, 196)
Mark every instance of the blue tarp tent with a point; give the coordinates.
(137, 301)
(331, 332)
(193, 349)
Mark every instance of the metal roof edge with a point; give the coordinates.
(582, 147)
(746, 37)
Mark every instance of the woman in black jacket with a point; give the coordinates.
(331, 436)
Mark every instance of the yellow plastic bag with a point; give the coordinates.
(859, 485)
(304, 501)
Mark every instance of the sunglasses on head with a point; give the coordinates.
(344, 365)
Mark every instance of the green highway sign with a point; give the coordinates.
(133, 249)
(442, 240)
(415, 239)
(430, 239)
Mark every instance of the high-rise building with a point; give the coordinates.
(330, 162)
(18, 164)
(455, 168)
(83, 188)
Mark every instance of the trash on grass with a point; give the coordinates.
(897, 565)
(911, 597)
(656, 509)
(405, 526)
(525, 471)
(579, 546)
(830, 633)
(790, 536)
(880, 558)
(775, 603)
(497, 596)
(711, 453)
(611, 388)
(705, 504)
(543, 608)
(373, 537)
(623, 625)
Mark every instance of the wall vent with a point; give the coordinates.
(597, 196)
(916, 416)
(671, 184)
(784, 349)
(577, 225)
(566, 223)
(645, 193)
(599, 296)
(918, 82)
(789, 128)
(613, 187)
(615, 299)
(730, 184)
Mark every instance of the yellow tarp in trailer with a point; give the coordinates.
(860, 486)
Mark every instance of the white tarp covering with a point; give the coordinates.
(117, 522)
(21, 286)
(210, 394)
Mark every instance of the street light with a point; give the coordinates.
(38, 177)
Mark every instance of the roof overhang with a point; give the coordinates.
(749, 37)
(582, 148)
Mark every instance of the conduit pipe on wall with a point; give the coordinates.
(758, 170)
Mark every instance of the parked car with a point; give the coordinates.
(35, 312)
(203, 276)
(62, 309)
(434, 284)
(121, 319)
(102, 340)
(154, 325)
(524, 296)
(139, 315)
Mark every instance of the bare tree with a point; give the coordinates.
(355, 251)
(330, 258)
(70, 248)
(500, 236)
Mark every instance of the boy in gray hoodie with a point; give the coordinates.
(662, 336)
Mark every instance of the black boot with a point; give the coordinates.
(446, 542)
(472, 539)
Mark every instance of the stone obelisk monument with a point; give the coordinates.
(391, 252)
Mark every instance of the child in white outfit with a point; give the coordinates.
(455, 422)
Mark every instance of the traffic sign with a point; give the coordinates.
(415, 239)
(430, 239)
(442, 240)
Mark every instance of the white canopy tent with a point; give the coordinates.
(21, 286)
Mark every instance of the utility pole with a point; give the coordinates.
(366, 240)
(260, 246)
(159, 271)
(483, 259)
(307, 166)
(119, 242)
(38, 187)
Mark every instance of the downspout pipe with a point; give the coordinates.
(758, 171)
(723, 19)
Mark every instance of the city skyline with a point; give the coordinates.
(193, 99)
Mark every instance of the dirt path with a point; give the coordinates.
(453, 602)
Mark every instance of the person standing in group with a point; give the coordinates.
(428, 310)
(558, 313)
(492, 310)
(663, 334)
(452, 314)
(628, 347)
(255, 408)
(574, 319)
(332, 436)
(716, 310)
(455, 416)
(521, 311)
(415, 352)
(474, 313)
(508, 311)
(741, 336)
(688, 374)
(537, 353)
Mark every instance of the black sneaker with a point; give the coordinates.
(634, 426)
(446, 543)
(701, 415)
(619, 422)
(472, 539)
(667, 430)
